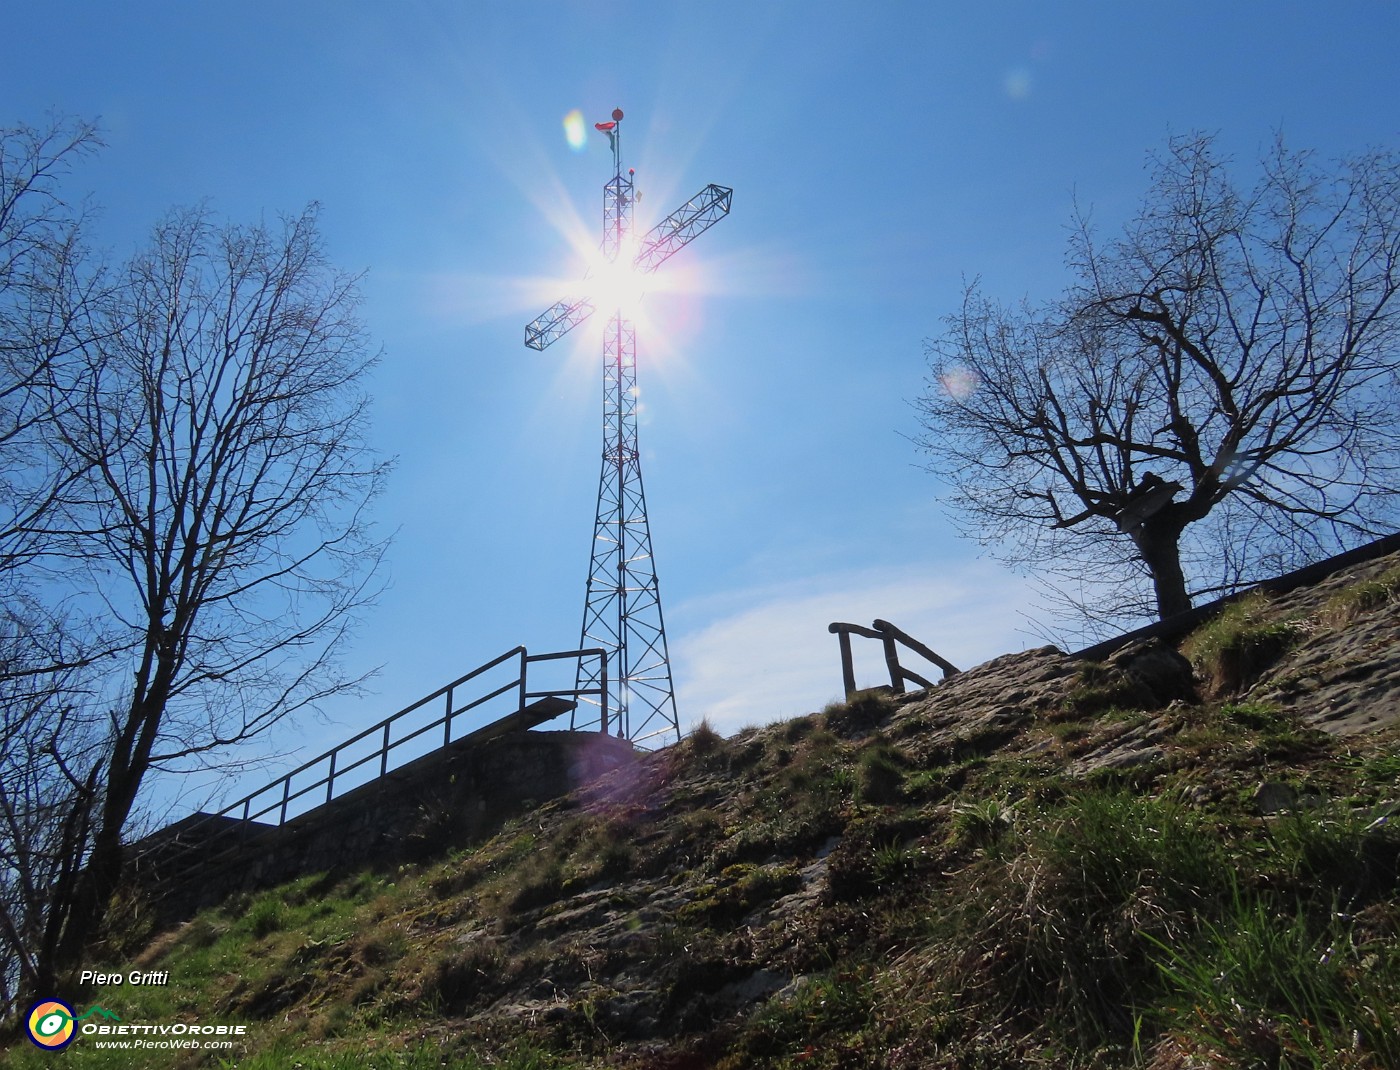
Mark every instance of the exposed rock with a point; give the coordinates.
(1344, 675)
(1342, 679)
(634, 1013)
(759, 985)
(1274, 797)
(1161, 674)
(985, 707)
(1137, 745)
(1197, 795)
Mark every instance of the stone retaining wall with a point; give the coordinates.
(454, 795)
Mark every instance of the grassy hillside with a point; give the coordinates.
(1039, 863)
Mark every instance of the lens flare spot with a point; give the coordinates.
(576, 131)
(1017, 83)
(958, 382)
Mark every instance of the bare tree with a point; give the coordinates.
(50, 291)
(218, 528)
(47, 293)
(1213, 396)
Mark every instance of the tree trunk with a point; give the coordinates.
(1160, 548)
(96, 883)
(98, 880)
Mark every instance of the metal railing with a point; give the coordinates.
(445, 698)
(177, 855)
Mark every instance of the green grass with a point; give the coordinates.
(1337, 851)
(268, 915)
(1274, 984)
(1231, 650)
(1102, 690)
(824, 1024)
(738, 890)
(1058, 925)
(1362, 597)
(1381, 768)
(424, 1056)
(880, 775)
(983, 824)
(861, 713)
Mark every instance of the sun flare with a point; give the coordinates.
(615, 285)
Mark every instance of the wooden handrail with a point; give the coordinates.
(949, 669)
(889, 635)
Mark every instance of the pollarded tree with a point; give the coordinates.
(221, 527)
(1212, 397)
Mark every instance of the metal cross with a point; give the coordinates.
(622, 611)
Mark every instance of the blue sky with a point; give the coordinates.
(879, 153)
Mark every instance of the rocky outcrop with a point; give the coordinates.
(1343, 676)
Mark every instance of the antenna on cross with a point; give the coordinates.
(622, 610)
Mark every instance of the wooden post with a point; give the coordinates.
(891, 659)
(848, 669)
(843, 631)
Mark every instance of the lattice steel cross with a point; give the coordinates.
(622, 611)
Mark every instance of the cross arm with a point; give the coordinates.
(683, 226)
(556, 321)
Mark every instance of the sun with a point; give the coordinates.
(615, 286)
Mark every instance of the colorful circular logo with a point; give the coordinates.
(50, 1024)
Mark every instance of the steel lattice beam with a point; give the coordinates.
(683, 226)
(556, 321)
